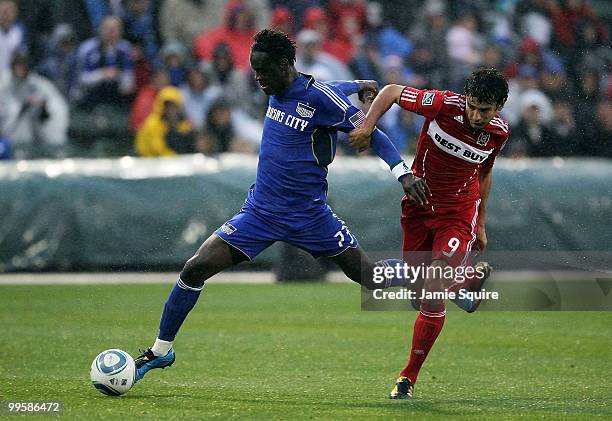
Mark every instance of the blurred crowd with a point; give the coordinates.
(100, 78)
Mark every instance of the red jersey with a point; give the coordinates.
(450, 153)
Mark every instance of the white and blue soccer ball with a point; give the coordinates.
(113, 372)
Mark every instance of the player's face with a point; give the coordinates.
(479, 113)
(271, 76)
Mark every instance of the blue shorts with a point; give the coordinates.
(320, 234)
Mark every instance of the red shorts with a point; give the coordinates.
(440, 234)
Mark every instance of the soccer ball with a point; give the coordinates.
(112, 372)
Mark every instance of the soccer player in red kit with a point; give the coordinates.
(443, 215)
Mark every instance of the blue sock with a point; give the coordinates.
(398, 279)
(179, 304)
(463, 303)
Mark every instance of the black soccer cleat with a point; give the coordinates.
(403, 389)
(487, 269)
(148, 361)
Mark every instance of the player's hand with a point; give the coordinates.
(360, 138)
(416, 188)
(481, 240)
(368, 89)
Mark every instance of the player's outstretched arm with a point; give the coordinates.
(360, 137)
(367, 89)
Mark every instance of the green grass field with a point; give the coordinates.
(300, 351)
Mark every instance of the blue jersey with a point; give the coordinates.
(298, 143)
(288, 200)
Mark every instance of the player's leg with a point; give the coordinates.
(452, 242)
(417, 244)
(358, 267)
(212, 257)
(484, 270)
(427, 327)
(326, 235)
(241, 238)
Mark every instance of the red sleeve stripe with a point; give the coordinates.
(460, 98)
(457, 97)
(410, 90)
(409, 94)
(501, 122)
(500, 125)
(454, 102)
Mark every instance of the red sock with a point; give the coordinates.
(427, 327)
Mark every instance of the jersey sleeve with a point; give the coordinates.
(348, 87)
(427, 103)
(334, 110)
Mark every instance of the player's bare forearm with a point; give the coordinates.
(388, 96)
(360, 137)
(486, 180)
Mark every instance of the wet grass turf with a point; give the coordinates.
(300, 351)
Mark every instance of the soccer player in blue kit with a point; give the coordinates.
(288, 200)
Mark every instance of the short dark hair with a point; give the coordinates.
(276, 43)
(487, 85)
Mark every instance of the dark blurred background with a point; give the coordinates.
(121, 78)
(104, 78)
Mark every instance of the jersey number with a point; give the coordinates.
(453, 243)
(342, 237)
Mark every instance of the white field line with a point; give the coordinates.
(239, 277)
(126, 278)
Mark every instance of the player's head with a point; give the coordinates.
(486, 92)
(272, 58)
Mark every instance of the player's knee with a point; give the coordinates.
(434, 278)
(431, 284)
(194, 271)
